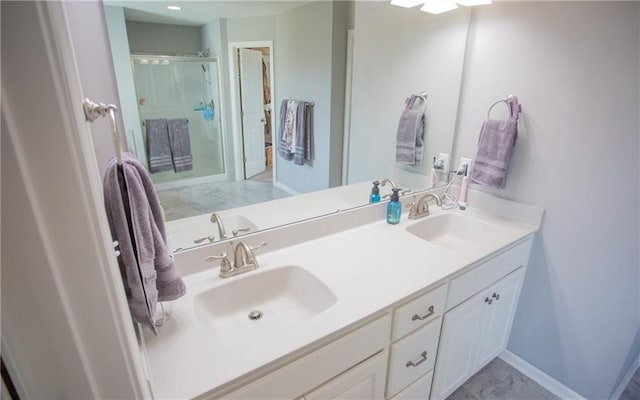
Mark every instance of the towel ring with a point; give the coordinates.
(505, 101)
(423, 96)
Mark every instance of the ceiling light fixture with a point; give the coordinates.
(438, 6)
(470, 3)
(174, 8)
(406, 3)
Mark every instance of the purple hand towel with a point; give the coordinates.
(497, 139)
(409, 138)
(135, 219)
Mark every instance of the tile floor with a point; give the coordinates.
(499, 380)
(632, 391)
(217, 196)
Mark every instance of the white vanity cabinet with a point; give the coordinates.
(477, 330)
(352, 366)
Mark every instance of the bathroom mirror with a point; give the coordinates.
(331, 54)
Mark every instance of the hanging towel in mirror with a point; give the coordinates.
(495, 145)
(304, 133)
(135, 220)
(180, 144)
(158, 147)
(409, 138)
(285, 134)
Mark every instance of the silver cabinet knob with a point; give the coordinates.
(496, 296)
(488, 300)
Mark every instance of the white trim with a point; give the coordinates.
(236, 120)
(347, 109)
(286, 188)
(101, 325)
(190, 182)
(627, 378)
(540, 377)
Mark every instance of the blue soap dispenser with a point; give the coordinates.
(375, 193)
(394, 208)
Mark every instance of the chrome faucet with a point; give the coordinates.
(386, 180)
(217, 219)
(244, 260)
(421, 208)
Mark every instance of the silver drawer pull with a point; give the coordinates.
(488, 300)
(496, 296)
(423, 317)
(423, 358)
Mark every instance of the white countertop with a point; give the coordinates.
(368, 268)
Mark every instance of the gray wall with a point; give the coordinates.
(416, 52)
(575, 68)
(251, 29)
(303, 69)
(165, 39)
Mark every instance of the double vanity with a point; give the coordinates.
(348, 306)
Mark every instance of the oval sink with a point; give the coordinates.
(271, 298)
(452, 230)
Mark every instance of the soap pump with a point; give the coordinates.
(375, 193)
(394, 208)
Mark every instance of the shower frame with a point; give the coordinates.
(221, 110)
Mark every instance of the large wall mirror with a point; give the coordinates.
(202, 90)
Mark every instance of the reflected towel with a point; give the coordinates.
(135, 220)
(180, 144)
(304, 133)
(158, 147)
(284, 137)
(497, 139)
(409, 138)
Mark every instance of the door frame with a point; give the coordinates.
(236, 118)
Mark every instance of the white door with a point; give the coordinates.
(459, 341)
(498, 320)
(364, 381)
(253, 121)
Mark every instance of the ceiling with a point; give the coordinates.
(202, 11)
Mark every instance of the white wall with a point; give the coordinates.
(414, 52)
(303, 67)
(251, 29)
(575, 68)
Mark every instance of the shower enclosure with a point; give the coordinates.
(170, 87)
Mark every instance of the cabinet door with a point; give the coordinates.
(499, 317)
(458, 345)
(364, 381)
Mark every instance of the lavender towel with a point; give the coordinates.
(497, 139)
(135, 219)
(409, 138)
(304, 133)
(158, 147)
(180, 144)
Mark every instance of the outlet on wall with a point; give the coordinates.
(443, 160)
(467, 162)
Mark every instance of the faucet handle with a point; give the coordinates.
(263, 244)
(225, 264)
(235, 232)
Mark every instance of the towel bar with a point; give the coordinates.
(507, 100)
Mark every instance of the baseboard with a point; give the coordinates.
(540, 377)
(627, 378)
(286, 188)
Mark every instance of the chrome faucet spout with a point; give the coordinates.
(243, 256)
(217, 219)
(389, 181)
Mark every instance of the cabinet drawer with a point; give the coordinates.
(418, 312)
(413, 356)
(419, 389)
(471, 282)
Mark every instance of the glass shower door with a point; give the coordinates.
(179, 87)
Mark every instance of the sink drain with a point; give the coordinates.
(255, 315)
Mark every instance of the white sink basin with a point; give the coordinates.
(263, 300)
(453, 231)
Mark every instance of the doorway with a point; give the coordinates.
(252, 110)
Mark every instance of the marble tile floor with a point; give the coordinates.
(499, 380)
(632, 391)
(216, 196)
